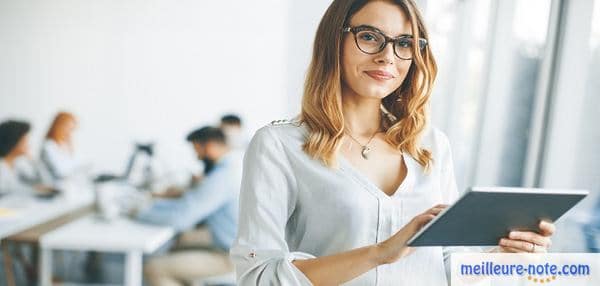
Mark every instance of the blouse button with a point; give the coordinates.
(252, 254)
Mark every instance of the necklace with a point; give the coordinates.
(365, 148)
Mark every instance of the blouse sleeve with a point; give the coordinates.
(267, 200)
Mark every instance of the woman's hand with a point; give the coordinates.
(528, 241)
(395, 247)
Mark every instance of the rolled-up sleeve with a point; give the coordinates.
(267, 200)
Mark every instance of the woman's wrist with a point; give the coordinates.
(380, 254)
(375, 255)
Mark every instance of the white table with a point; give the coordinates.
(29, 211)
(122, 235)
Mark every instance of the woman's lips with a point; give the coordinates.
(379, 75)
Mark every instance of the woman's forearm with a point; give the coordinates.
(345, 266)
(339, 268)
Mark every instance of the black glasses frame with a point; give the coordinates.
(387, 39)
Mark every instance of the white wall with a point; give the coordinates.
(303, 20)
(142, 70)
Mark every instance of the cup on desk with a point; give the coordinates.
(106, 205)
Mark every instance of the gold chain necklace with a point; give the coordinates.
(365, 148)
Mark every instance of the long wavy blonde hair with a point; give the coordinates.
(405, 109)
(58, 130)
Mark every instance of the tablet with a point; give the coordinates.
(482, 216)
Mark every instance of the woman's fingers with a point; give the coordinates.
(531, 237)
(428, 215)
(395, 247)
(528, 241)
(517, 244)
(422, 220)
(440, 206)
(521, 246)
(547, 228)
(436, 209)
(510, 249)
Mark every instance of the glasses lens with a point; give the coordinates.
(369, 41)
(404, 48)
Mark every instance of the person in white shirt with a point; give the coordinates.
(57, 153)
(231, 125)
(333, 196)
(16, 176)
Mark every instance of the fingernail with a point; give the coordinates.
(512, 234)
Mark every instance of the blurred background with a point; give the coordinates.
(518, 89)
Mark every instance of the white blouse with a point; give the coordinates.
(16, 179)
(293, 207)
(59, 162)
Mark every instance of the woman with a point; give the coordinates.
(14, 148)
(57, 151)
(333, 197)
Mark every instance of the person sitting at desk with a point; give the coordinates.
(14, 153)
(231, 125)
(213, 201)
(57, 152)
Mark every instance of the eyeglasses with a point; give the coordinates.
(371, 40)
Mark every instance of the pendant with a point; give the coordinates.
(365, 152)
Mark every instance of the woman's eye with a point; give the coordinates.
(404, 43)
(368, 36)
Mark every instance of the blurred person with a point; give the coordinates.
(18, 172)
(58, 154)
(231, 125)
(214, 201)
(333, 196)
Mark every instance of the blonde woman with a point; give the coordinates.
(57, 151)
(333, 196)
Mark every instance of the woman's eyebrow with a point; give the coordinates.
(368, 26)
(404, 35)
(371, 27)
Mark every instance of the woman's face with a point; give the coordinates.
(22, 147)
(375, 75)
(65, 129)
(68, 128)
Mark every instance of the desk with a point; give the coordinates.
(122, 235)
(26, 218)
(30, 212)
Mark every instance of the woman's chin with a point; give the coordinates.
(377, 92)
